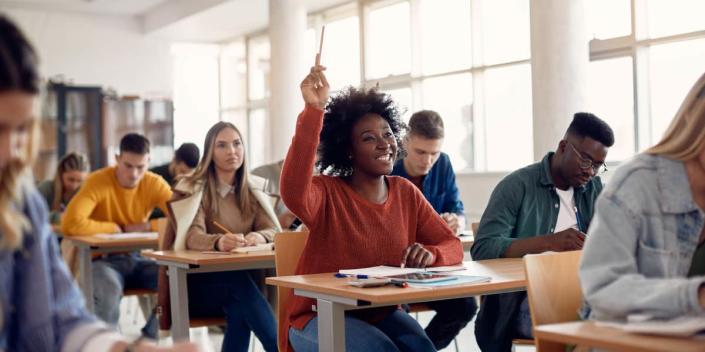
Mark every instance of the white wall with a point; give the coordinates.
(475, 190)
(100, 50)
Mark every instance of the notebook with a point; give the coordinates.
(256, 248)
(386, 270)
(128, 235)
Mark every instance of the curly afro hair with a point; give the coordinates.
(342, 112)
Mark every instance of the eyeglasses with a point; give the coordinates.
(585, 163)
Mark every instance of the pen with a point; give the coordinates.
(339, 275)
(578, 220)
(221, 227)
(402, 284)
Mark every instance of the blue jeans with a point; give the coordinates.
(523, 328)
(452, 315)
(235, 295)
(396, 332)
(111, 275)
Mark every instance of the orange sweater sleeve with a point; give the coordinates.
(300, 191)
(435, 234)
(77, 217)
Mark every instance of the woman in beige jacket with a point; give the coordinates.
(220, 196)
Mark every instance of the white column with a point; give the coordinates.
(287, 27)
(560, 56)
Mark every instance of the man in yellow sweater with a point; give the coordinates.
(119, 199)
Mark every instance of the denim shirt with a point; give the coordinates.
(41, 309)
(641, 243)
(438, 186)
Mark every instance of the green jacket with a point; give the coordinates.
(524, 204)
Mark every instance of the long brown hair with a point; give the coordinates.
(70, 162)
(18, 72)
(685, 137)
(205, 173)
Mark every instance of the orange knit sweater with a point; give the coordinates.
(348, 231)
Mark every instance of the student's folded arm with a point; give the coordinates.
(493, 236)
(435, 235)
(76, 220)
(300, 191)
(196, 237)
(609, 274)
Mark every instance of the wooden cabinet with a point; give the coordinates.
(84, 119)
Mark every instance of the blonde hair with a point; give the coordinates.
(12, 181)
(205, 174)
(70, 162)
(685, 137)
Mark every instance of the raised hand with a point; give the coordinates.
(315, 87)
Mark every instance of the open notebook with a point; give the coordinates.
(257, 248)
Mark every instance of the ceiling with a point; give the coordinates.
(183, 20)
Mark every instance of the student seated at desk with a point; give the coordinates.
(431, 172)
(644, 253)
(71, 172)
(546, 206)
(41, 309)
(221, 193)
(358, 216)
(119, 199)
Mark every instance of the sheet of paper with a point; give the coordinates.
(681, 326)
(128, 235)
(444, 269)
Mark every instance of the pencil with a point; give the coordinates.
(320, 46)
(221, 227)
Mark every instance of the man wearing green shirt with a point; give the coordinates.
(546, 206)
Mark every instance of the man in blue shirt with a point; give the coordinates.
(430, 170)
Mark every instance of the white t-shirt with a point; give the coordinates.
(566, 212)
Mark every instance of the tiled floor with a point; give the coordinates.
(131, 320)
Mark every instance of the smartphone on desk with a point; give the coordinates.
(421, 278)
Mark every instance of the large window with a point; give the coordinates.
(640, 73)
(470, 61)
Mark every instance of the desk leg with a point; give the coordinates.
(331, 326)
(85, 275)
(179, 303)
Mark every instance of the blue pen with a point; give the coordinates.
(578, 219)
(339, 275)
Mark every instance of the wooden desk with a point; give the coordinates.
(89, 245)
(467, 241)
(334, 296)
(181, 263)
(587, 333)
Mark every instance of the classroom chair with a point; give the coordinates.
(553, 288)
(288, 247)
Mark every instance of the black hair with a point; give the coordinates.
(189, 154)
(342, 112)
(134, 143)
(586, 124)
(18, 60)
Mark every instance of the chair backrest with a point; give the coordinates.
(161, 229)
(288, 247)
(553, 287)
(474, 227)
